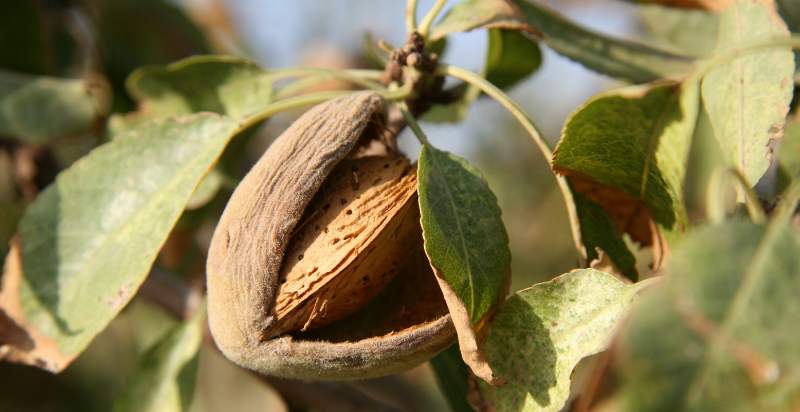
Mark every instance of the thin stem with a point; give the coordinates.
(715, 200)
(429, 18)
(413, 124)
(527, 123)
(311, 99)
(411, 16)
(752, 202)
(365, 78)
(789, 200)
(288, 104)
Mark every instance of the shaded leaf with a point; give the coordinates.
(729, 304)
(124, 46)
(165, 376)
(88, 241)
(221, 84)
(22, 39)
(598, 231)
(511, 57)
(747, 98)
(539, 334)
(789, 154)
(693, 32)
(452, 375)
(614, 57)
(790, 11)
(690, 4)
(36, 109)
(626, 150)
(466, 243)
(207, 189)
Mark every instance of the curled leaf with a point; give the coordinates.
(467, 246)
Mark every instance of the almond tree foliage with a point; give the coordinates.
(119, 148)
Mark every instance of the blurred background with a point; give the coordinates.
(106, 39)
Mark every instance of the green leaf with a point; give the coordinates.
(747, 98)
(614, 57)
(598, 231)
(541, 333)
(693, 32)
(125, 46)
(721, 333)
(36, 109)
(511, 57)
(22, 37)
(466, 243)
(790, 11)
(789, 154)
(207, 189)
(649, 128)
(165, 376)
(89, 240)
(221, 84)
(452, 375)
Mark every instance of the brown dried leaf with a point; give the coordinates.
(20, 341)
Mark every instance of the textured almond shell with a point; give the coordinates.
(345, 249)
(251, 238)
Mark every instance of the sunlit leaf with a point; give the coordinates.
(165, 376)
(720, 334)
(36, 109)
(466, 243)
(221, 84)
(693, 32)
(615, 57)
(88, 241)
(626, 150)
(539, 334)
(747, 98)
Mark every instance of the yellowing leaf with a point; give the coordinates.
(747, 98)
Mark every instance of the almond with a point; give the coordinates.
(316, 268)
(350, 242)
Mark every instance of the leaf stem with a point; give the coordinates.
(715, 203)
(312, 99)
(411, 16)
(751, 200)
(364, 78)
(413, 124)
(429, 18)
(526, 122)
